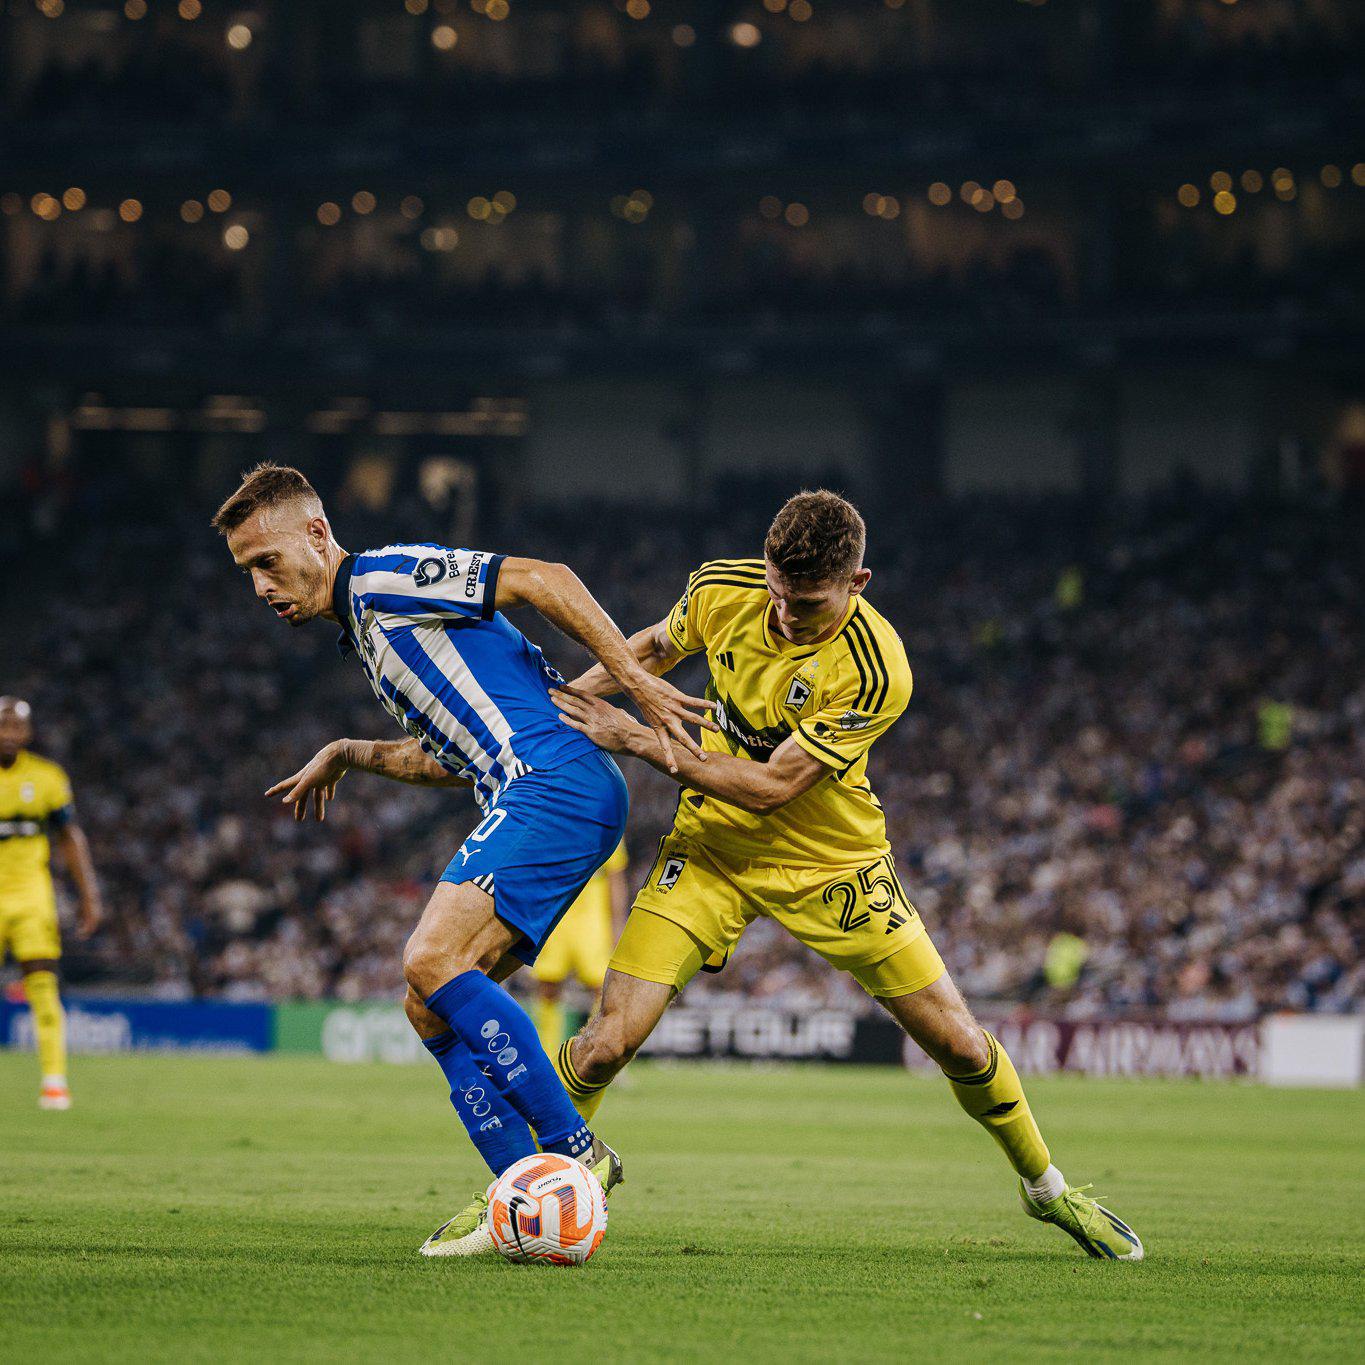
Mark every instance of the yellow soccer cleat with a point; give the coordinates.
(1100, 1233)
(605, 1165)
(464, 1235)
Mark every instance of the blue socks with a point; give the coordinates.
(494, 1127)
(501, 1037)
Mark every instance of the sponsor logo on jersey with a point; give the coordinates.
(471, 579)
(429, 571)
(756, 741)
(854, 720)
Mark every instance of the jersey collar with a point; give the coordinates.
(341, 604)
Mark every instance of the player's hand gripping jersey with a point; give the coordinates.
(837, 698)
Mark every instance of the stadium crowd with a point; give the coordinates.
(1131, 779)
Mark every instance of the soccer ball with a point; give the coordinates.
(547, 1208)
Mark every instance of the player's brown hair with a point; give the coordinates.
(818, 536)
(266, 485)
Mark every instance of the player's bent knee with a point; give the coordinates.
(428, 965)
(965, 1050)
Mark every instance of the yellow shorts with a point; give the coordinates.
(28, 929)
(859, 921)
(580, 946)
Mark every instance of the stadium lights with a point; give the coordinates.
(74, 199)
(444, 38)
(637, 9)
(745, 35)
(189, 10)
(220, 201)
(130, 210)
(329, 214)
(135, 9)
(684, 35)
(239, 37)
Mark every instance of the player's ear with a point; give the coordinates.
(317, 531)
(860, 581)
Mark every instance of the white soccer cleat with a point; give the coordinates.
(55, 1094)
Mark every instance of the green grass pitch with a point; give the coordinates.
(230, 1209)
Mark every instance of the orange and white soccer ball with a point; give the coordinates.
(547, 1208)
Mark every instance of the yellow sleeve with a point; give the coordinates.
(863, 699)
(57, 796)
(618, 862)
(687, 620)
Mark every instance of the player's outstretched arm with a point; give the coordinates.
(402, 760)
(759, 788)
(558, 594)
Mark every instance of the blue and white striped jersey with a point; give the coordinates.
(449, 668)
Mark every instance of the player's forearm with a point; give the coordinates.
(559, 595)
(652, 656)
(400, 760)
(737, 781)
(76, 851)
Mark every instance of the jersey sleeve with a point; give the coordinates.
(61, 804)
(428, 582)
(864, 699)
(687, 620)
(619, 861)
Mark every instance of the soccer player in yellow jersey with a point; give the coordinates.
(580, 946)
(36, 803)
(779, 819)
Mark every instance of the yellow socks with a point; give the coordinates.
(49, 1022)
(586, 1098)
(995, 1099)
(549, 1020)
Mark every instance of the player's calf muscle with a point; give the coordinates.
(610, 1039)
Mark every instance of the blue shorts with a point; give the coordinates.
(541, 842)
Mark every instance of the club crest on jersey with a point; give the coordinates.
(672, 870)
(798, 694)
(854, 720)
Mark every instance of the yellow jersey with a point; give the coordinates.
(836, 698)
(35, 797)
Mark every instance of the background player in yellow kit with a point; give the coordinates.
(580, 946)
(36, 804)
(779, 819)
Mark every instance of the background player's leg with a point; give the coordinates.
(549, 1014)
(494, 1126)
(980, 1075)
(653, 961)
(457, 942)
(49, 1028)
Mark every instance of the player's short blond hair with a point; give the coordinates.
(817, 536)
(267, 485)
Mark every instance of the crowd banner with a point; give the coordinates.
(98, 1025)
(1124, 1047)
(1299, 1050)
(1039, 1046)
(347, 1033)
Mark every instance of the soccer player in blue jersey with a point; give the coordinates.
(473, 694)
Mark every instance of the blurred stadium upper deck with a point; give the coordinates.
(1069, 296)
